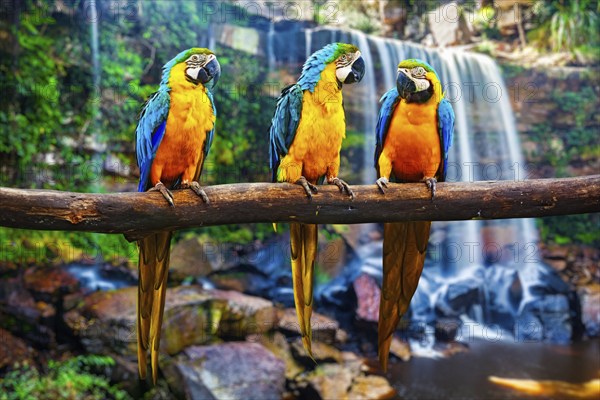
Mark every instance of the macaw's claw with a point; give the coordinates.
(343, 186)
(309, 188)
(195, 186)
(431, 184)
(160, 187)
(381, 183)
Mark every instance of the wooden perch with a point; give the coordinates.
(136, 214)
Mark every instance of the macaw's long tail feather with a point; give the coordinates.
(404, 246)
(303, 241)
(153, 269)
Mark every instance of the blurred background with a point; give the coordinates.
(499, 301)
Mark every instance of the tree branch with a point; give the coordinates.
(136, 214)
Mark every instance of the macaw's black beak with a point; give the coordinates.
(405, 85)
(358, 71)
(211, 71)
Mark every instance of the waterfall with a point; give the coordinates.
(94, 143)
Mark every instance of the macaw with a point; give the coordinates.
(173, 137)
(413, 135)
(305, 140)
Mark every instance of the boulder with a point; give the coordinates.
(235, 370)
(24, 317)
(13, 350)
(400, 349)
(446, 329)
(322, 353)
(192, 257)
(278, 344)
(590, 308)
(368, 296)
(244, 315)
(328, 381)
(324, 329)
(545, 318)
(342, 382)
(106, 321)
(371, 387)
(49, 284)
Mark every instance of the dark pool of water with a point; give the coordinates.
(465, 375)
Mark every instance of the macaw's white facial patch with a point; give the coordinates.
(421, 84)
(342, 73)
(192, 72)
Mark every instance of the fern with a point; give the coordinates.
(81, 377)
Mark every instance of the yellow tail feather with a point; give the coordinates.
(303, 242)
(153, 268)
(404, 247)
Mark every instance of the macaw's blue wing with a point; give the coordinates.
(149, 133)
(445, 115)
(211, 134)
(388, 104)
(284, 124)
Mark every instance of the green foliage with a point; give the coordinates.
(566, 25)
(583, 229)
(26, 247)
(485, 20)
(81, 377)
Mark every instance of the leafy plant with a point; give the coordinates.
(566, 25)
(81, 377)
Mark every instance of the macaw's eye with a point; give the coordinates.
(418, 71)
(195, 57)
(344, 57)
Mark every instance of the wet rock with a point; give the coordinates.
(278, 344)
(23, 316)
(13, 350)
(546, 318)
(322, 353)
(371, 387)
(107, 320)
(192, 257)
(324, 329)
(243, 279)
(446, 329)
(236, 370)
(450, 348)
(400, 349)
(328, 381)
(590, 309)
(458, 297)
(49, 284)
(244, 315)
(368, 296)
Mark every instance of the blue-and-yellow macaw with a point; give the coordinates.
(173, 137)
(305, 140)
(414, 132)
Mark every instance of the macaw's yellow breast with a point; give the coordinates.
(321, 129)
(413, 141)
(190, 118)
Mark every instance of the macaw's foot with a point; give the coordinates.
(343, 186)
(195, 186)
(382, 183)
(309, 188)
(160, 187)
(431, 184)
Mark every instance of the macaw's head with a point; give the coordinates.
(196, 65)
(349, 64)
(417, 81)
